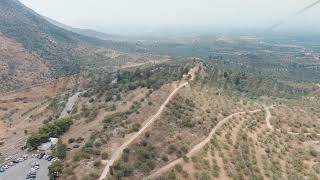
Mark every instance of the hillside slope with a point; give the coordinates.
(18, 67)
(52, 43)
(50, 51)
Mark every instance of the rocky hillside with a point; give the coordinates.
(50, 42)
(34, 50)
(18, 67)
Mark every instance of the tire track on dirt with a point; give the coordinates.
(117, 154)
(269, 116)
(199, 146)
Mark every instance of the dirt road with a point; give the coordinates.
(198, 147)
(269, 116)
(117, 154)
(317, 91)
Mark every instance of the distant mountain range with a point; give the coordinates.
(86, 32)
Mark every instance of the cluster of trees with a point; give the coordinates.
(56, 105)
(54, 129)
(248, 82)
(60, 151)
(153, 77)
(55, 169)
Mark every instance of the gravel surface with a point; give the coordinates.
(20, 170)
(70, 104)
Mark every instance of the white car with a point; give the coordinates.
(9, 158)
(32, 171)
(34, 155)
(55, 159)
(25, 156)
(5, 166)
(35, 164)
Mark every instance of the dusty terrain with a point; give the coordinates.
(18, 67)
(23, 112)
(253, 145)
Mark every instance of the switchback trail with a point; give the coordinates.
(199, 146)
(117, 154)
(269, 116)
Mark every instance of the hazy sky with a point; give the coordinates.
(142, 14)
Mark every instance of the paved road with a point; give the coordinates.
(69, 106)
(20, 171)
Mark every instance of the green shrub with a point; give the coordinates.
(54, 129)
(97, 163)
(71, 140)
(104, 155)
(60, 151)
(80, 140)
(178, 167)
(55, 168)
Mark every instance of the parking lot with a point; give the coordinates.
(19, 171)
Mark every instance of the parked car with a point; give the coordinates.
(5, 166)
(76, 146)
(34, 169)
(49, 158)
(45, 156)
(31, 176)
(25, 156)
(34, 155)
(32, 172)
(2, 170)
(35, 164)
(41, 155)
(8, 159)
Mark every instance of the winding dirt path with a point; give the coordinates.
(199, 146)
(117, 154)
(269, 116)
